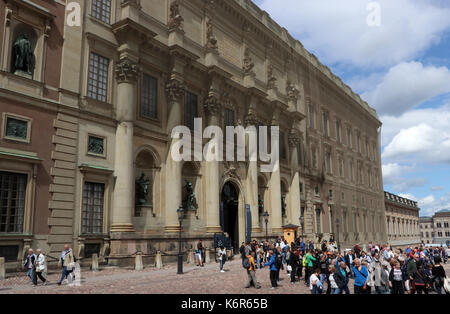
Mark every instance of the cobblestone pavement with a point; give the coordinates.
(195, 280)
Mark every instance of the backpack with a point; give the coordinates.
(278, 262)
(304, 262)
(246, 263)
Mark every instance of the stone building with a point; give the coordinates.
(402, 217)
(436, 229)
(136, 69)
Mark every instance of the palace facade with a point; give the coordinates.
(402, 217)
(92, 167)
(436, 230)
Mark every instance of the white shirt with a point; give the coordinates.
(311, 279)
(333, 283)
(221, 253)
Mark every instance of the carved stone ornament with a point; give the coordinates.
(294, 138)
(175, 18)
(211, 40)
(251, 119)
(248, 62)
(292, 92)
(212, 105)
(174, 90)
(126, 71)
(230, 170)
(271, 79)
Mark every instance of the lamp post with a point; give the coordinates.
(180, 212)
(302, 223)
(266, 220)
(337, 231)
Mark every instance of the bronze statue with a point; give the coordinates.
(260, 204)
(142, 185)
(23, 55)
(283, 205)
(191, 200)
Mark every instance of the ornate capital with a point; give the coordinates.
(212, 105)
(251, 119)
(294, 138)
(127, 71)
(175, 90)
(175, 18)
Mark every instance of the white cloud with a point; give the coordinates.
(421, 135)
(392, 171)
(406, 86)
(339, 29)
(437, 188)
(430, 204)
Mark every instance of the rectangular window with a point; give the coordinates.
(9, 252)
(16, 129)
(358, 142)
(191, 110)
(352, 173)
(328, 161)
(338, 132)
(349, 138)
(98, 77)
(96, 145)
(341, 168)
(299, 155)
(229, 117)
(92, 215)
(344, 220)
(325, 124)
(318, 225)
(312, 117)
(101, 10)
(149, 97)
(12, 201)
(283, 153)
(355, 222)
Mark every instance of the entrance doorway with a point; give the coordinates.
(230, 205)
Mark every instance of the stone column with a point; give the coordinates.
(294, 190)
(251, 182)
(127, 74)
(173, 177)
(213, 110)
(275, 188)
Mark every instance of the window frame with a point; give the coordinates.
(8, 115)
(100, 18)
(107, 80)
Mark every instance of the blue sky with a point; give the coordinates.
(401, 68)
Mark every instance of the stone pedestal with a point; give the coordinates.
(94, 262)
(191, 258)
(2, 268)
(207, 256)
(158, 260)
(138, 265)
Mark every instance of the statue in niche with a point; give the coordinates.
(191, 200)
(283, 205)
(142, 186)
(23, 55)
(260, 204)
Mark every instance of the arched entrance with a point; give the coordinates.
(230, 214)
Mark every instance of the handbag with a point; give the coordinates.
(289, 268)
(447, 285)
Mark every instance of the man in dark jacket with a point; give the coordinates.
(29, 264)
(341, 277)
(293, 262)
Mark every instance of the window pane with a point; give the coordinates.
(101, 10)
(190, 110)
(98, 77)
(12, 201)
(149, 97)
(92, 215)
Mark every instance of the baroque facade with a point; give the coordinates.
(436, 229)
(402, 218)
(103, 103)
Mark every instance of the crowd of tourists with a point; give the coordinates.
(379, 269)
(36, 266)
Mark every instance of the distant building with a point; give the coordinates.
(402, 217)
(436, 229)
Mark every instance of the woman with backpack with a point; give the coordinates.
(273, 269)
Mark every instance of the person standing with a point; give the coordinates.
(332, 282)
(370, 287)
(396, 280)
(309, 260)
(66, 261)
(315, 285)
(341, 277)
(439, 275)
(273, 269)
(293, 262)
(251, 272)
(222, 257)
(29, 265)
(361, 274)
(40, 268)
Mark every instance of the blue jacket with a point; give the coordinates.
(302, 246)
(271, 263)
(360, 276)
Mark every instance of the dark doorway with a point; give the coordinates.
(230, 203)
